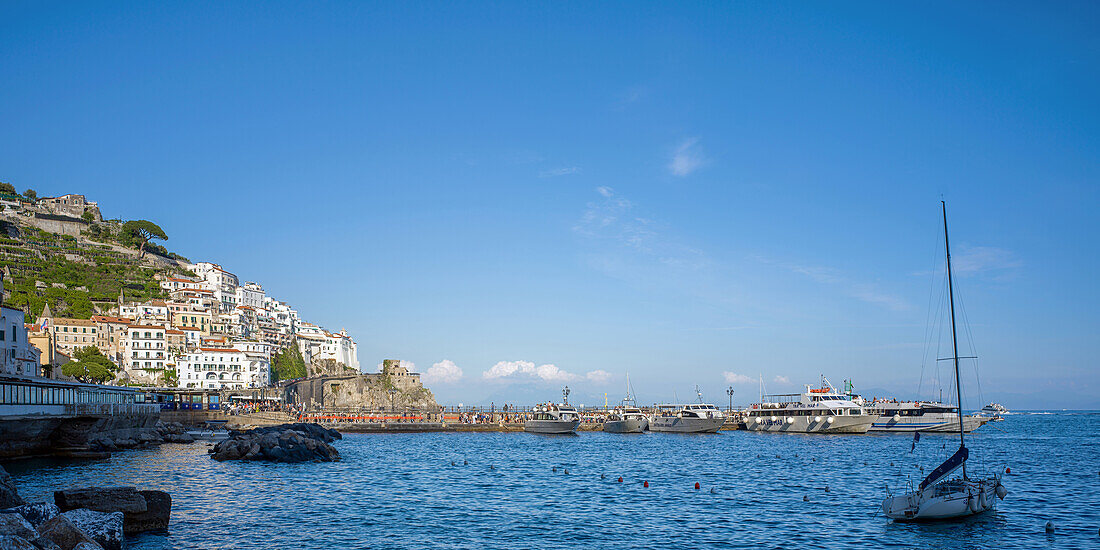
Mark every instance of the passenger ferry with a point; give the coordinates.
(626, 420)
(994, 409)
(552, 418)
(816, 410)
(920, 416)
(691, 418)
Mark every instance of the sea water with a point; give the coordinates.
(502, 491)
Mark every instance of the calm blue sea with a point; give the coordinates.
(400, 490)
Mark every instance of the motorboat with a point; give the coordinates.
(815, 410)
(553, 418)
(920, 416)
(691, 418)
(626, 420)
(995, 409)
(939, 497)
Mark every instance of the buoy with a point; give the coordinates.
(645, 484)
(713, 490)
(1008, 470)
(1001, 491)
(805, 498)
(464, 463)
(777, 456)
(567, 471)
(491, 467)
(620, 479)
(452, 463)
(555, 469)
(696, 485)
(601, 476)
(826, 488)
(1049, 527)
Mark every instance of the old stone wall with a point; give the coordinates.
(371, 391)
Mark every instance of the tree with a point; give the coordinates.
(143, 231)
(91, 366)
(87, 216)
(170, 378)
(31, 194)
(7, 188)
(288, 364)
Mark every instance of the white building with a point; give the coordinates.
(17, 355)
(223, 368)
(317, 345)
(221, 282)
(146, 347)
(251, 295)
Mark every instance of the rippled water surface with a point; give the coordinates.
(400, 490)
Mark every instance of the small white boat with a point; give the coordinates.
(692, 418)
(626, 420)
(552, 418)
(937, 497)
(815, 410)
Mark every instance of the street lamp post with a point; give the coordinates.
(729, 392)
(565, 395)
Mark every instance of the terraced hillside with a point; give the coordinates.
(78, 277)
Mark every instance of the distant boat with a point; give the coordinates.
(938, 497)
(815, 410)
(995, 410)
(690, 418)
(920, 416)
(626, 418)
(552, 418)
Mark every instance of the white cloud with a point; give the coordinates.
(598, 376)
(686, 159)
(527, 369)
(563, 171)
(605, 191)
(971, 260)
(445, 372)
(734, 378)
(781, 380)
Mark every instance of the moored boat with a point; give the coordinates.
(815, 410)
(690, 418)
(626, 420)
(919, 416)
(553, 418)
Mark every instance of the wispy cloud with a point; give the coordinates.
(734, 378)
(557, 172)
(686, 158)
(974, 260)
(519, 370)
(865, 292)
(781, 380)
(445, 372)
(598, 376)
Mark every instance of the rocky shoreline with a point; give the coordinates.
(87, 518)
(283, 443)
(162, 432)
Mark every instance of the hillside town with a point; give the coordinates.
(209, 331)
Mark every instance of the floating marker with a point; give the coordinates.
(1049, 527)
(567, 471)
(826, 488)
(620, 479)
(645, 484)
(555, 469)
(1008, 470)
(713, 490)
(696, 485)
(491, 467)
(601, 476)
(464, 463)
(805, 498)
(452, 463)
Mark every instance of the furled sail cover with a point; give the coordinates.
(948, 466)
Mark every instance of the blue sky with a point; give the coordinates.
(548, 193)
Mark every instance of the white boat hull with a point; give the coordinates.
(551, 426)
(925, 424)
(627, 426)
(811, 424)
(936, 504)
(675, 424)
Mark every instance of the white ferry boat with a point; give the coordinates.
(816, 410)
(552, 418)
(626, 420)
(920, 416)
(691, 418)
(994, 409)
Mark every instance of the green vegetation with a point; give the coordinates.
(288, 364)
(141, 232)
(7, 188)
(91, 366)
(31, 194)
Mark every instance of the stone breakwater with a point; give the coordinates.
(284, 443)
(161, 432)
(88, 518)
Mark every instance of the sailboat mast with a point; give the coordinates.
(954, 335)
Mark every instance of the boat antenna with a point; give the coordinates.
(565, 395)
(954, 335)
(698, 394)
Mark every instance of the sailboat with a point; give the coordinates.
(939, 496)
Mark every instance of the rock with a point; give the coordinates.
(87, 546)
(101, 499)
(105, 528)
(154, 518)
(148, 437)
(126, 443)
(8, 495)
(178, 438)
(284, 443)
(42, 543)
(64, 533)
(36, 513)
(15, 525)
(12, 542)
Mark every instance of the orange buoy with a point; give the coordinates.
(696, 484)
(1008, 470)
(645, 484)
(620, 479)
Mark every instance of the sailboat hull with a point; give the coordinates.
(951, 500)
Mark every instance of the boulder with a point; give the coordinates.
(12, 542)
(64, 533)
(285, 443)
(105, 528)
(101, 499)
(36, 513)
(148, 437)
(125, 443)
(178, 438)
(43, 543)
(154, 518)
(15, 525)
(8, 495)
(87, 546)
